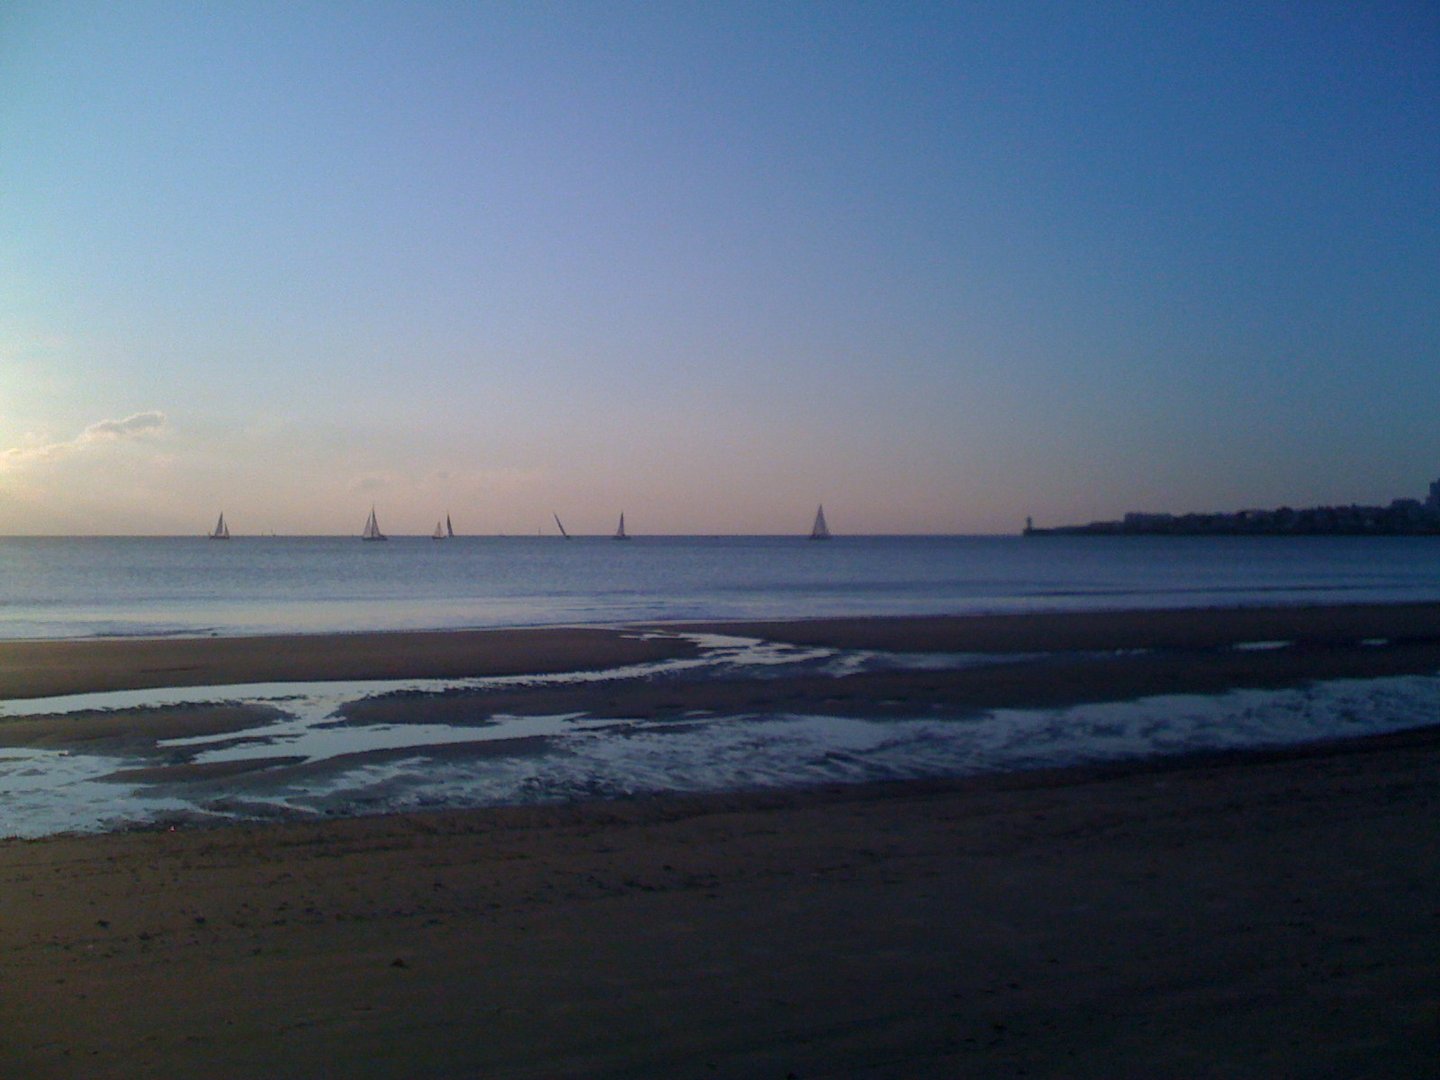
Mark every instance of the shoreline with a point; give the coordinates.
(32, 668)
(234, 730)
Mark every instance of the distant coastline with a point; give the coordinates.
(1403, 517)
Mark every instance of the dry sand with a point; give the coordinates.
(1270, 914)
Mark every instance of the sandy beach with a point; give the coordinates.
(1253, 914)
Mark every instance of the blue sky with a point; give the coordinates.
(939, 266)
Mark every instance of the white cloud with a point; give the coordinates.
(139, 424)
(136, 426)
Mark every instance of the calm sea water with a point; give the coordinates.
(82, 587)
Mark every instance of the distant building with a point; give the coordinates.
(1411, 509)
(1403, 517)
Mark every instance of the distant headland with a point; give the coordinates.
(1403, 517)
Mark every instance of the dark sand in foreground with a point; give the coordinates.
(1272, 914)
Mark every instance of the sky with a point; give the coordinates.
(938, 266)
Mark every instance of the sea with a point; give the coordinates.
(302, 756)
(151, 586)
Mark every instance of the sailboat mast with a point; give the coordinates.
(372, 528)
(820, 531)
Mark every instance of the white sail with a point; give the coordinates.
(222, 531)
(820, 531)
(620, 533)
(372, 528)
(439, 533)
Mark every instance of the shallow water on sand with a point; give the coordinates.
(297, 754)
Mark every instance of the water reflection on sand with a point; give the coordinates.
(101, 761)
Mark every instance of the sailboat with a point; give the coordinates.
(560, 527)
(620, 533)
(820, 531)
(443, 530)
(449, 529)
(222, 531)
(372, 528)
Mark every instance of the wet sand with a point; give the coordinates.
(1326, 638)
(1264, 914)
(1198, 628)
(30, 669)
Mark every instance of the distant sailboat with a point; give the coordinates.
(449, 529)
(820, 531)
(222, 531)
(439, 533)
(620, 533)
(372, 528)
(560, 527)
